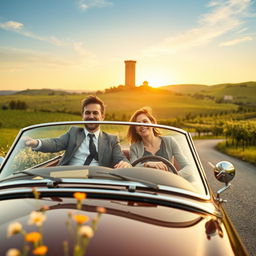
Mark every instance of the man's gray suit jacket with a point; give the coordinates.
(109, 150)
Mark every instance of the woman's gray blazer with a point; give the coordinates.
(173, 150)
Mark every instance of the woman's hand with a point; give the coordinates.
(157, 165)
(122, 164)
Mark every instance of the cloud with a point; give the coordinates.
(85, 56)
(19, 28)
(11, 25)
(236, 41)
(19, 59)
(80, 49)
(78, 54)
(223, 17)
(86, 4)
(242, 30)
(14, 57)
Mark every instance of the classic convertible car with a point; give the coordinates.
(47, 208)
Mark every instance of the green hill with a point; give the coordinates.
(166, 102)
(185, 88)
(242, 93)
(121, 104)
(42, 92)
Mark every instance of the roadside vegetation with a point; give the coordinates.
(238, 132)
(236, 128)
(247, 154)
(240, 140)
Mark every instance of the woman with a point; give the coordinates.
(146, 141)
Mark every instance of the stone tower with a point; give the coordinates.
(130, 73)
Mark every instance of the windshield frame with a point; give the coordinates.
(187, 135)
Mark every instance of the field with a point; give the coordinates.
(164, 105)
(21, 118)
(7, 137)
(167, 103)
(241, 92)
(13, 120)
(122, 104)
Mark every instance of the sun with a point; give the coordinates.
(157, 78)
(156, 81)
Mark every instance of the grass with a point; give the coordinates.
(20, 118)
(13, 120)
(208, 137)
(248, 155)
(7, 137)
(244, 92)
(163, 103)
(119, 105)
(241, 92)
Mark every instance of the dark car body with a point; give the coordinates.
(148, 211)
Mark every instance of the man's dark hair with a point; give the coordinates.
(93, 100)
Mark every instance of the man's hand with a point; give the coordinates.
(157, 165)
(31, 142)
(122, 164)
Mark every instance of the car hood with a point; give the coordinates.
(127, 228)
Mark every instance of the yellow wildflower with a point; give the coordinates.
(36, 193)
(33, 237)
(14, 228)
(101, 210)
(40, 250)
(36, 218)
(44, 208)
(80, 219)
(79, 196)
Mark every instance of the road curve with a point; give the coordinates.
(241, 197)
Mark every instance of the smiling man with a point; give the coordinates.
(88, 146)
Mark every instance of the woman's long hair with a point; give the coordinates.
(132, 135)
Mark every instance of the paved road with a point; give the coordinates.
(241, 205)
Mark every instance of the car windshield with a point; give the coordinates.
(174, 145)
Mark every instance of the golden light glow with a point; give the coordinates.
(157, 77)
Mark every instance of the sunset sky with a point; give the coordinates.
(82, 44)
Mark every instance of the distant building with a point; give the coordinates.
(130, 73)
(227, 97)
(145, 83)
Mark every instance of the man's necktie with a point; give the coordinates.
(92, 149)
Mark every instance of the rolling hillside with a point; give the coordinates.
(166, 102)
(185, 88)
(7, 92)
(241, 92)
(41, 92)
(121, 104)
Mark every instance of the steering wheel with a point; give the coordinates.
(159, 158)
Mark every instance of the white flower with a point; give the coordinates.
(14, 228)
(13, 252)
(36, 218)
(86, 231)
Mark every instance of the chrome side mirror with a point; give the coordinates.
(224, 172)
